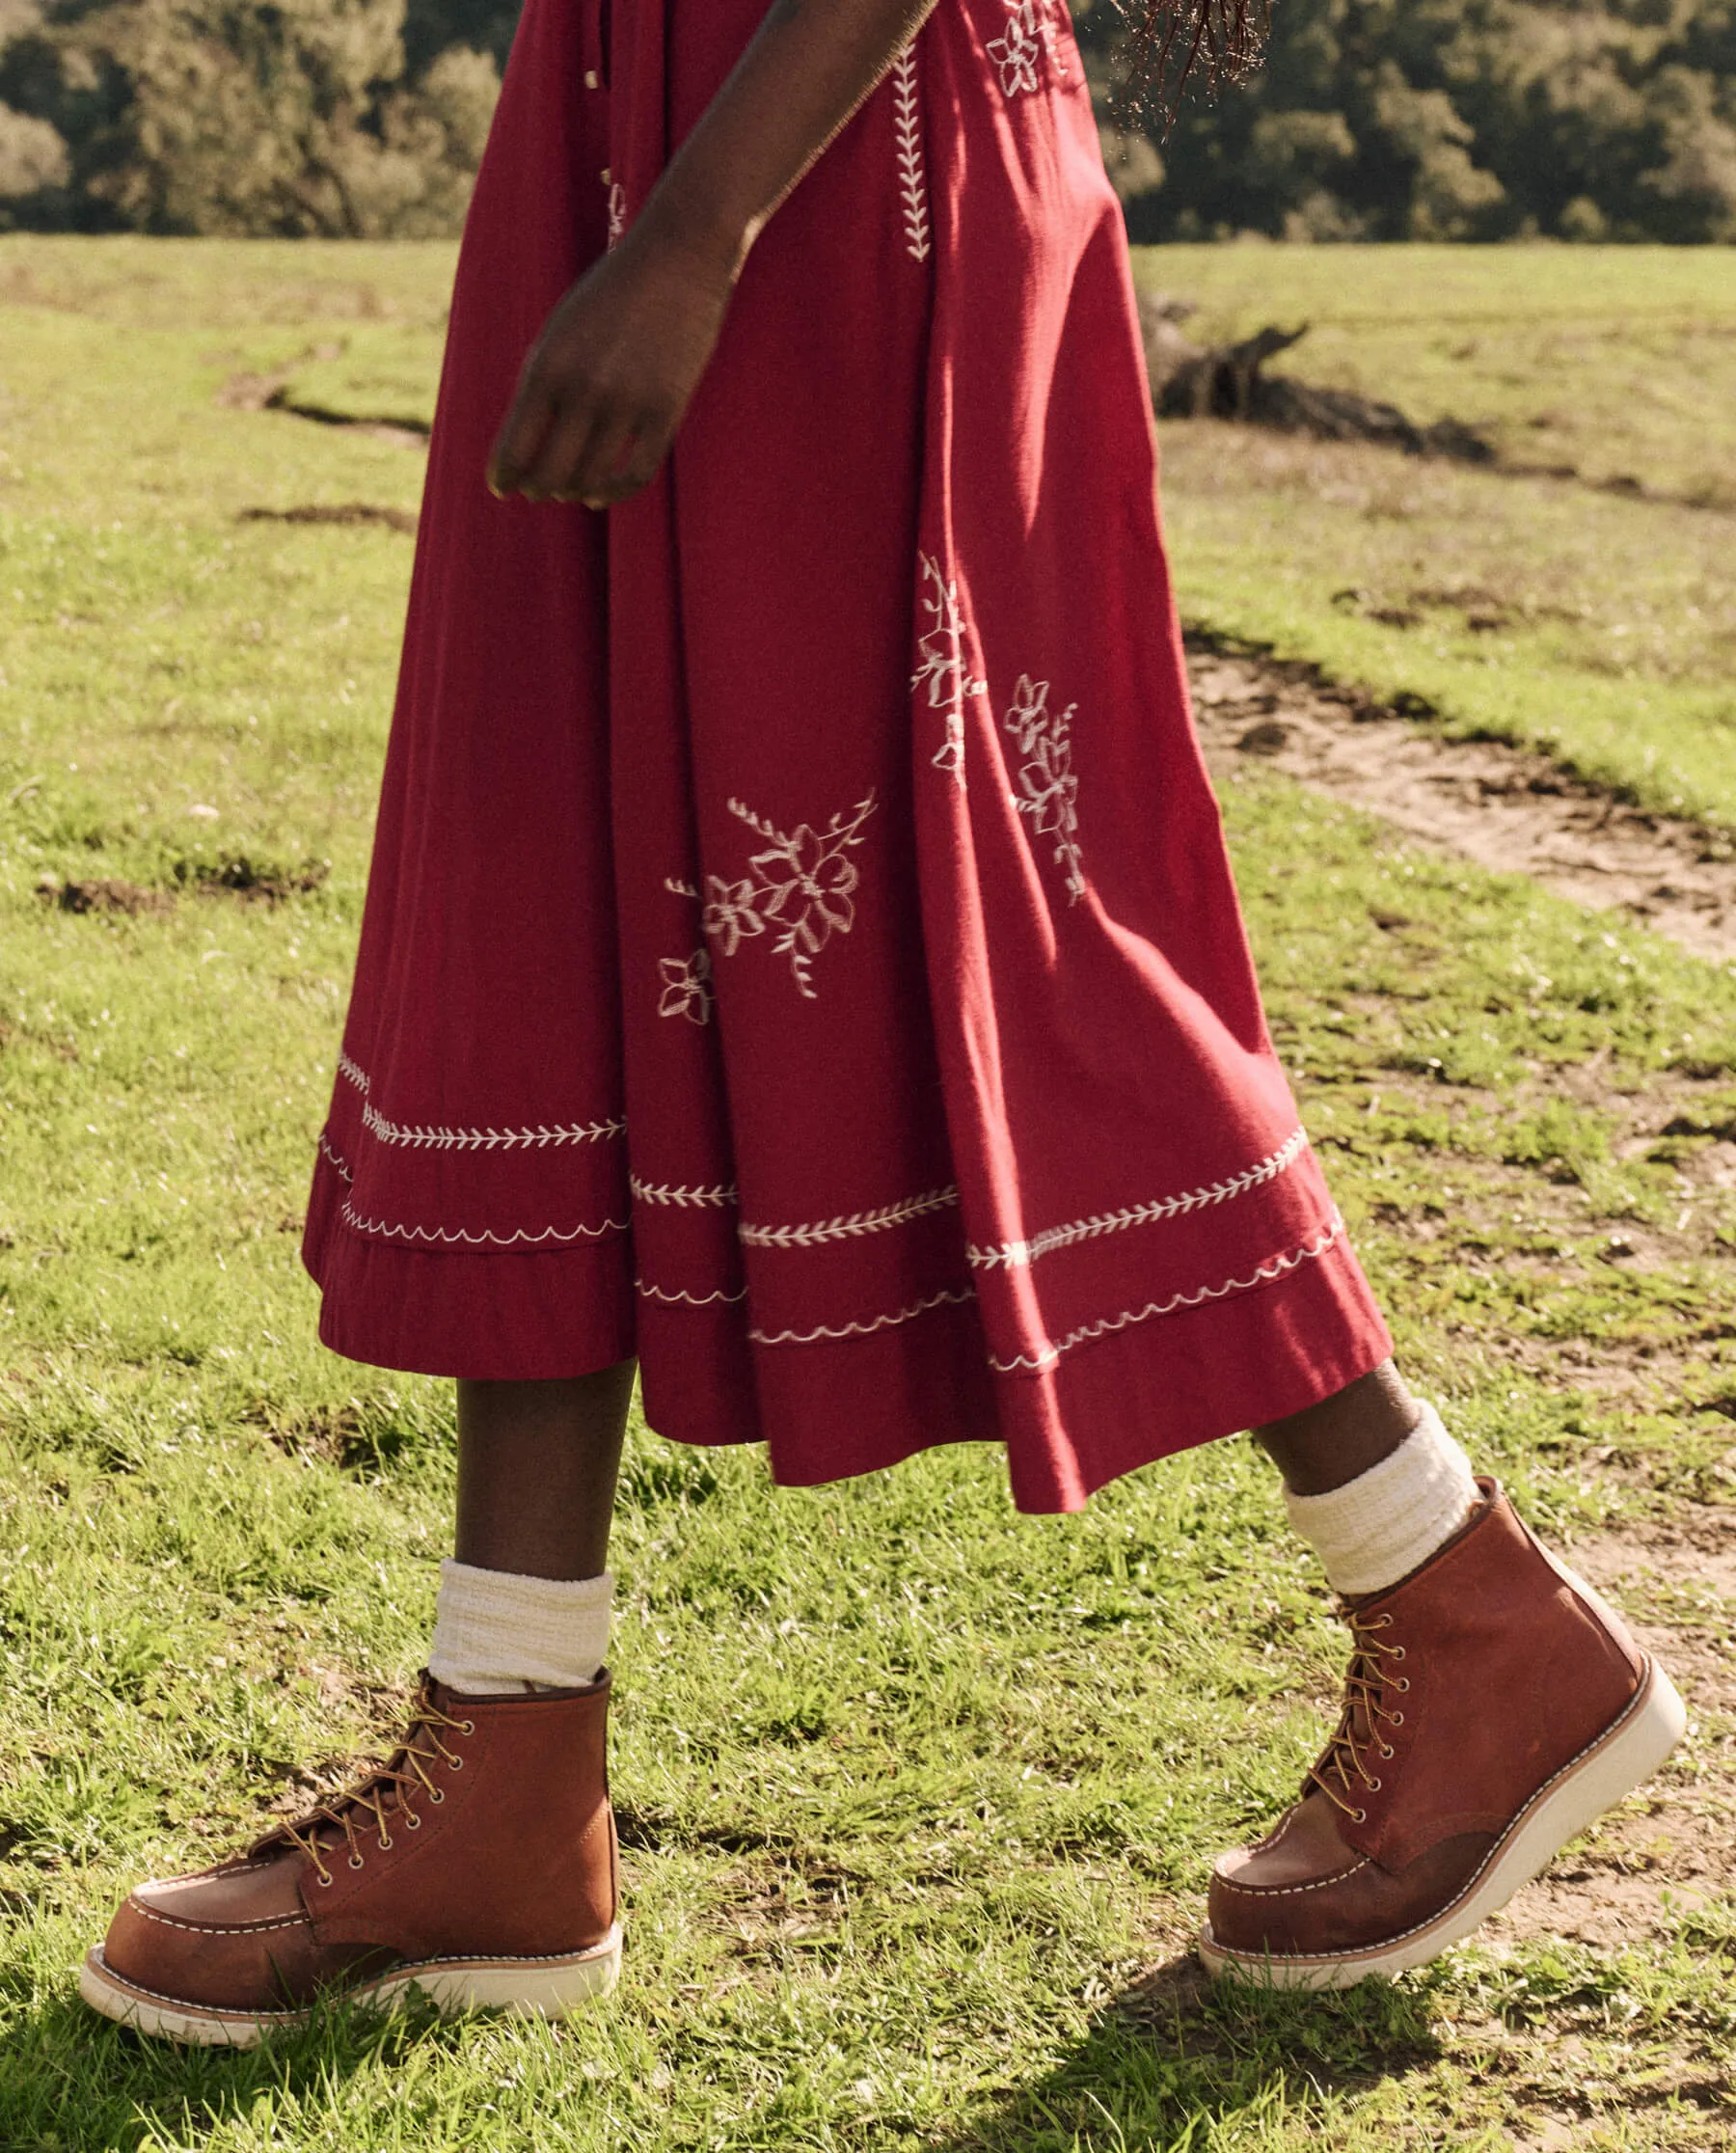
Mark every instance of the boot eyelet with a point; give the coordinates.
(1402, 1684)
(1398, 1720)
(413, 1823)
(1359, 1816)
(435, 1795)
(1398, 1652)
(1387, 1750)
(326, 1883)
(356, 1861)
(457, 1763)
(1374, 1787)
(386, 1844)
(467, 1726)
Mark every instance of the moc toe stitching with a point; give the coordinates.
(1416, 1928)
(1290, 1891)
(221, 1928)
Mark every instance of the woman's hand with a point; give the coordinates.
(610, 379)
(605, 388)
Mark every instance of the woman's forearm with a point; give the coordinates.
(810, 64)
(606, 384)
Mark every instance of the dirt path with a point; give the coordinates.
(1503, 807)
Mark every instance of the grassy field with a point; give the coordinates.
(1597, 624)
(917, 1796)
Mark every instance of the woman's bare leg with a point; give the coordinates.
(537, 1464)
(1343, 1436)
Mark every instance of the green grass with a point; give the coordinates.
(918, 1795)
(1598, 627)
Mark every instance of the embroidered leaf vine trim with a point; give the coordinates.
(851, 1226)
(1018, 1255)
(912, 179)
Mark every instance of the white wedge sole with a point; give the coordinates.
(1628, 1752)
(540, 1987)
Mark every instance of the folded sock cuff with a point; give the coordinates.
(1389, 1520)
(496, 1631)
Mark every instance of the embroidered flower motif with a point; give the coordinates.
(1052, 17)
(687, 987)
(1029, 35)
(731, 916)
(803, 884)
(1048, 781)
(617, 210)
(941, 669)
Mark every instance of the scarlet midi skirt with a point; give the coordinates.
(800, 948)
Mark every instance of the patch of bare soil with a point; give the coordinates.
(1671, 1846)
(272, 391)
(234, 875)
(343, 512)
(103, 896)
(1503, 807)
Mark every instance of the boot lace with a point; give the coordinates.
(1343, 1773)
(380, 1798)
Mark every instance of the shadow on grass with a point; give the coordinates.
(1163, 2068)
(1171, 2060)
(72, 2082)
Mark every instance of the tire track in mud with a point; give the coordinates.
(1509, 808)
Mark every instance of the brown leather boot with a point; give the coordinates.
(478, 1864)
(1495, 1706)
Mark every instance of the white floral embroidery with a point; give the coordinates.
(912, 178)
(678, 1298)
(687, 987)
(731, 916)
(435, 1136)
(1049, 784)
(431, 1137)
(677, 888)
(391, 1230)
(941, 669)
(824, 1334)
(816, 1233)
(617, 210)
(335, 1158)
(1050, 1351)
(683, 1198)
(1019, 1255)
(1048, 28)
(801, 883)
(1029, 36)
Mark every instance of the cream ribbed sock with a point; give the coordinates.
(1385, 1523)
(495, 1633)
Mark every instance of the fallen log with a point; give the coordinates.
(1191, 380)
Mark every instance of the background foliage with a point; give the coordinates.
(1433, 120)
(1454, 119)
(350, 119)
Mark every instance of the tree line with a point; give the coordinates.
(1578, 119)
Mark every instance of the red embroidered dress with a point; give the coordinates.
(800, 948)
